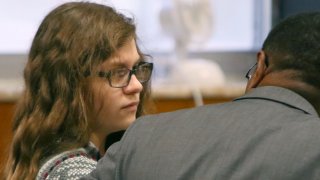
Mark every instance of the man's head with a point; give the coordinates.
(290, 54)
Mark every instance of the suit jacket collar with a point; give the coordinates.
(280, 95)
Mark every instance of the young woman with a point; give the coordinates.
(85, 79)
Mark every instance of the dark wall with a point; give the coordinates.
(285, 8)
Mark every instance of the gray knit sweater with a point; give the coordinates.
(69, 165)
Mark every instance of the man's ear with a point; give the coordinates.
(259, 74)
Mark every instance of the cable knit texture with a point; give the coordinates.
(68, 165)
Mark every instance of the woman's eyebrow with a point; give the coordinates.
(123, 63)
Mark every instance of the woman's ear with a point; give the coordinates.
(259, 74)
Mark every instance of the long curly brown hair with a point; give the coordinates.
(71, 42)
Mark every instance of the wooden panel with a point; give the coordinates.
(6, 112)
(171, 104)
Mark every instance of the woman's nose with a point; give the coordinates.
(134, 85)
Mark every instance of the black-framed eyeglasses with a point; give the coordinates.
(120, 77)
(254, 68)
(251, 71)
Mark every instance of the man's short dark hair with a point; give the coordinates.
(295, 44)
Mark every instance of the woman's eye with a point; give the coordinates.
(120, 72)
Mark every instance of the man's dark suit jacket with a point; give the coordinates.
(270, 133)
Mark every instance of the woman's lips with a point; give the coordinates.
(131, 106)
